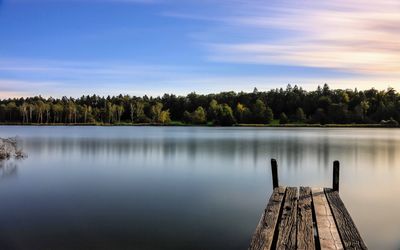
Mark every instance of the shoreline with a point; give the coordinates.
(291, 125)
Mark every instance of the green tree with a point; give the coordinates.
(120, 110)
(225, 115)
(364, 106)
(165, 117)
(324, 102)
(283, 119)
(345, 97)
(320, 116)
(57, 112)
(325, 105)
(110, 110)
(137, 110)
(269, 115)
(300, 116)
(213, 110)
(199, 116)
(259, 112)
(86, 112)
(3, 112)
(338, 113)
(46, 110)
(24, 112)
(40, 108)
(187, 117)
(11, 108)
(242, 113)
(155, 112)
(71, 111)
(31, 108)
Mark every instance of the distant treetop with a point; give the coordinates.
(289, 105)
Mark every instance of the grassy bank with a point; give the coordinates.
(274, 123)
(317, 125)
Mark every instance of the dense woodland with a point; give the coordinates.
(284, 106)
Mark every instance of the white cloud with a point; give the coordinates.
(86, 69)
(345, 35)
(350, 35)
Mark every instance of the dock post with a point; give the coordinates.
(335, 185)
(274, 169)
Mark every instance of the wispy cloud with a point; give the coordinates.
(89, 70)
(351, 35)
(341, 42)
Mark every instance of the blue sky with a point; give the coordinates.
(137, 47)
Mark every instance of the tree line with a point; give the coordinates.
(289, 105)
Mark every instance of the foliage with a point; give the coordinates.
(299, 116)
(199, 116)
(225, 115)
(322, 106)
(283, 119)
(242, 113)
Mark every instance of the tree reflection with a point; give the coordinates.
(294, 151)
(8, 169)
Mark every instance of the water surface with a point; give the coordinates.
(185, 187)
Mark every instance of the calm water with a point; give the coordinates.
(185, 188)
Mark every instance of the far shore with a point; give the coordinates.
(179, 124)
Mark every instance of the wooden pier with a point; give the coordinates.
(306, 218)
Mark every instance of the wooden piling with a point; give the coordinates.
(335, 185)
(274, 170)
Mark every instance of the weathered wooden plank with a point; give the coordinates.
(264, 235)
(328, 234)
(348, 232)
(305, 231)
(288, 227)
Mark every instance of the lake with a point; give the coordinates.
(185, 187)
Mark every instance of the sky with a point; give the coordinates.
(108, 47)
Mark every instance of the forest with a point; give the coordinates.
(291, 105)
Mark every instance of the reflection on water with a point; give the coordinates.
(8, 169)
(184, 188)
(292, 149)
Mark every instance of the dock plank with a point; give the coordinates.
(348, 232)
(265, 231)
(288, 227)
(305, 231)
(328, 234)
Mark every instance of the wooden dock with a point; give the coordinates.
(306, 218)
